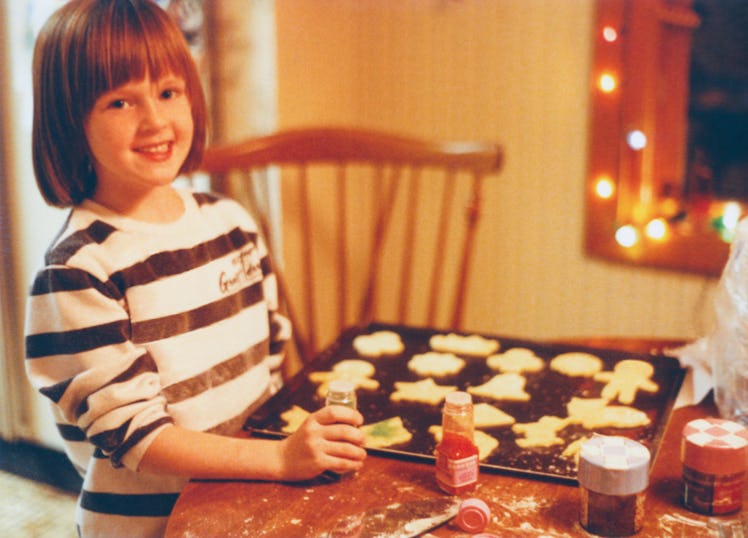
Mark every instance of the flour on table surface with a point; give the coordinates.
(511, 512)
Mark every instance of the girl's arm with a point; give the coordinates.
(328, 440)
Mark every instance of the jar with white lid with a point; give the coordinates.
(613, 478)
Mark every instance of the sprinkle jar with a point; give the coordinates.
(341, 392)
(613, 477)
(714, 453)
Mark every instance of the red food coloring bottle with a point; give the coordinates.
(456, 454)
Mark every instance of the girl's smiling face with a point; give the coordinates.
(139, 134)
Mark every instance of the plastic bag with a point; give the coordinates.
(727, 346)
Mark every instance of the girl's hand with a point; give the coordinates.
(329, 439)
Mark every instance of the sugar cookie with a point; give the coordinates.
(577, 364)
(425, 391)
(628, 377)
(378, 343)
(572, 449)
(434, 363)
(541, 433)
(294, 417)
(357, 371)
(594, 413)
(509, 386)
(486, 415)
(385, 433)
(474, 344)
(517, 360)
(485, 443)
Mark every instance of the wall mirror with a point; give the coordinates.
(668, 162)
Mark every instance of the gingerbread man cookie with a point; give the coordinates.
(627, 378)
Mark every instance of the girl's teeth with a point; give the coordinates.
(156, 149)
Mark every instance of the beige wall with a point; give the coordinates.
(514, 71)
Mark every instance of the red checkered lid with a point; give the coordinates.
(613, 465)
(715, 446)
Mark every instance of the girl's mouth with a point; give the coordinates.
(156, 153)
(155, 149)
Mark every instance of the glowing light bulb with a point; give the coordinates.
(627, 236)
(604, 187)
(636, 140)
(731, 215)
(656, 229)
(610, 34)
(607, 82)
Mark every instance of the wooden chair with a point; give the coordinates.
(376, 226)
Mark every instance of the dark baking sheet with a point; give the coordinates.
(549, 390)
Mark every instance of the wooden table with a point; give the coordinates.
(521, 506)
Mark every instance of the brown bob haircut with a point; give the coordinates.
(87, 48)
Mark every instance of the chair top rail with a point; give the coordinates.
(347, 144)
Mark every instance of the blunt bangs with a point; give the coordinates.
(125, 44)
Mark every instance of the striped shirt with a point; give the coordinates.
(132, 327)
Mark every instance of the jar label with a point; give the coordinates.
(712, 494)
(611, 515)
(456, 473)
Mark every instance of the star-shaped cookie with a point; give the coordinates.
(426, 391)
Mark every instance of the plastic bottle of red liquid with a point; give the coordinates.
(456, 454)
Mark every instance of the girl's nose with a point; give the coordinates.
(153, 116)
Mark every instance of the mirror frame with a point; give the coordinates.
(644, 48)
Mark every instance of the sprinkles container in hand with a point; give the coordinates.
(613, 477)
(714, 453)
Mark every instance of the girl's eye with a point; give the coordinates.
(171, 93)
(118, 103)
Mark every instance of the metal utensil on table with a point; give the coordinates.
(401, 520)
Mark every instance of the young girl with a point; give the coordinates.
(152, 325)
